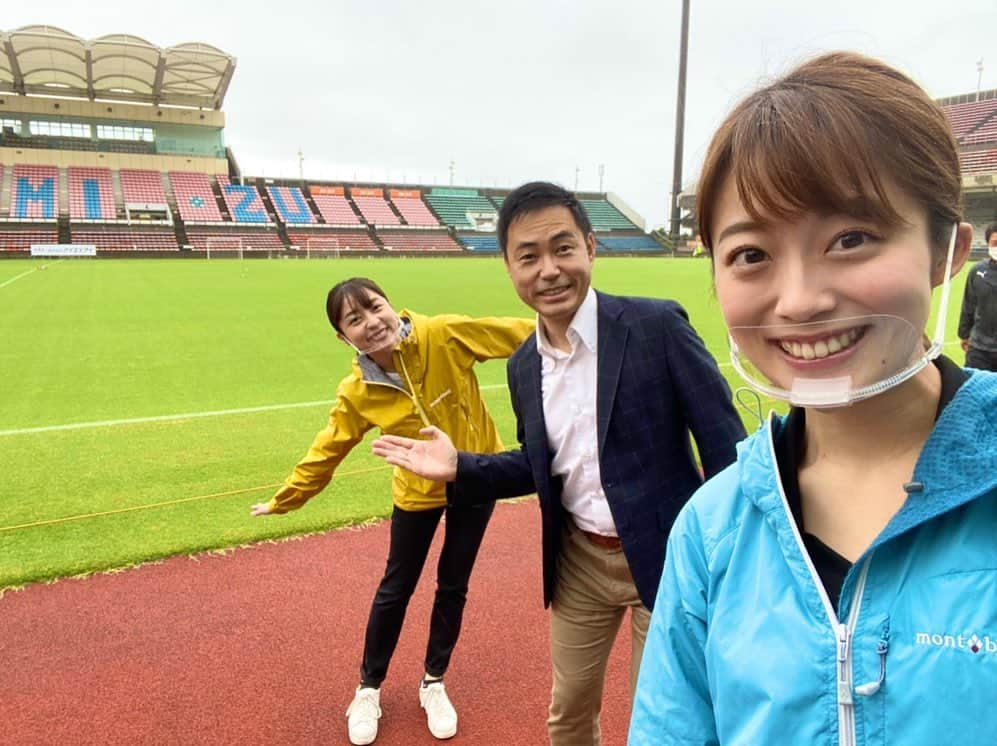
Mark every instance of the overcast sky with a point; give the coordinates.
(514, 90)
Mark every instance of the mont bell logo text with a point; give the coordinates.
(970, 643)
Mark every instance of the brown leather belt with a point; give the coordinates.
(600, 540)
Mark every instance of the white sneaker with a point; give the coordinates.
(362, 715)
(440, 714)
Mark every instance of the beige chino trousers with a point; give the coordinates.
(593, 592)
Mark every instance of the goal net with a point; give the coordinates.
(224, 246)
(324, 247)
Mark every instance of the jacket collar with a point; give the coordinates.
(583, 327)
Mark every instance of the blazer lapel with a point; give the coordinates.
(612, 344)
(531, 398)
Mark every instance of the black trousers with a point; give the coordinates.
(981, 359)
(411, 536)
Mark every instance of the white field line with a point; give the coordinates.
(23, 274)
(16, 278)
(174, 417)
(213, 413)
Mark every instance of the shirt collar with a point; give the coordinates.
(584, 326)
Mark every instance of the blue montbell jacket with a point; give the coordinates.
(745, 648)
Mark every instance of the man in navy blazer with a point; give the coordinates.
(605, 395)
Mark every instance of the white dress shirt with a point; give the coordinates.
(568, 381)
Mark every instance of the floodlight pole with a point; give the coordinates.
(680, 123)
(979, 77)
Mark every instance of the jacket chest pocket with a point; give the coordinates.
(941, 670)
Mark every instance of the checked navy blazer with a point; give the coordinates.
(656, 383)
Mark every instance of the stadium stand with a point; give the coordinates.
(373, 206)
(605, 217)
(453, 205)
(985, 132)
(332, 241)
(144, 168)
(142, 186)
(628, 243)
(289, 202)
(243, 201)
(35, 192)
(134, 239)
(195, 199)
(409, 203)
(487, 242)
(91, 194)
(422, 241)
(21, 238)
(333, 206)
(965, 117)
(974, 161)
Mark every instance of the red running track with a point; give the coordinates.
(262, 646)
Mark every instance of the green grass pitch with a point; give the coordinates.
(108, 341)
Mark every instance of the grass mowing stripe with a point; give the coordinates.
(187, 416)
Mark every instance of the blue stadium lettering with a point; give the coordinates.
(241, 212)
(44, 193)
(91, 199)
(298, 215)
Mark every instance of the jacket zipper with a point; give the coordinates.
(410, 393)
(846, 634)
(843, 633)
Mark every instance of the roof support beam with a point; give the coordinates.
(14, 67)
(157, 83)
(89, 63)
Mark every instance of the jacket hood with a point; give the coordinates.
(956, 465)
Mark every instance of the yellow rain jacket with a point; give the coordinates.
(435, 362)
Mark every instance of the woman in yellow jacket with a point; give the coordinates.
(411, 371)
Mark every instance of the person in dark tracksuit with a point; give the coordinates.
(978, 321)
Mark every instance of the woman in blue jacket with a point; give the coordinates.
(838, 583)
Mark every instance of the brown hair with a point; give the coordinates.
(828, 136)
(356, 292)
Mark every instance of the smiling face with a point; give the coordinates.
(822, 296)
(549, 261)
(368, 322)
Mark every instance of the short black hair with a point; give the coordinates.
(991, 229)
(356, 291)
(537, 195)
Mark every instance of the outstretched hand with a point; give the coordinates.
(434, 459)
(260, 509)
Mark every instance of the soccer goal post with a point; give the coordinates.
(224, 246)
(322, 247)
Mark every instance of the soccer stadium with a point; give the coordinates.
(150, 175)
(147, 403)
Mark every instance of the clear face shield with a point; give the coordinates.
(372, 338)
(835, 363)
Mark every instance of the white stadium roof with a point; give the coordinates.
(49, 61)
